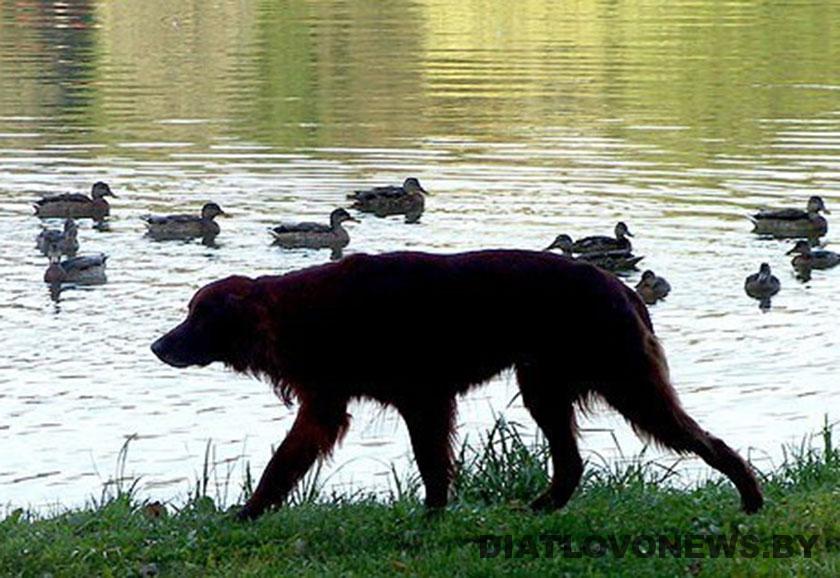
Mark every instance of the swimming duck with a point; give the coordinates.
(406, 200)
(652, 288)
(609, 260)
(793, 222)
(314, 235)
(65, 242)
(165, 227)
(807, 258)
(601, 244)
(77, 205)
(87, 269)
(762, 285)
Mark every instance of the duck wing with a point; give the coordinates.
(662, 287)
(595, 243)
(63, 198)
(284, 228)
(158, 220)
(84, 262)
(51, 235)
(375, 192)
(616, 253)
(781, 214)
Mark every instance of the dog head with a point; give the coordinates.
(221, 320)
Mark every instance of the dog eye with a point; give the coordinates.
(200, 310)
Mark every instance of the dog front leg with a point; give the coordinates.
(318, 426)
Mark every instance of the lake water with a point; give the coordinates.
(524, 121)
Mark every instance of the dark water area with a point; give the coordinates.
(524, 121)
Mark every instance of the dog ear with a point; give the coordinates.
(236, 304)
(238, 292)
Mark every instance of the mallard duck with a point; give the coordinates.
(87, 269)
(807, 258)
(609, 260)
(602, 244)
(762, 285)
(77, 205)
(406, 200)
(65, 242)
(314, 235)
(793, 222)
(164, 227)
(652, 288)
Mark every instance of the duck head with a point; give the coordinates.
(70, 228)
(412, 185)
(211, 211)
(802, 247)
(622, 231)
(101, 189)
(816, 204)
(562, 242)
(764, 273)
(339, 216)
(648, 278)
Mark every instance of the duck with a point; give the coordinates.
(314, 235)
(602, 244)
(613, 261)
(788, 223)
(87, 269)
(77, 205)
(64, 241)
(807, 258)
(165, 227)
(762, 285)
(407, 200)
(652, 288)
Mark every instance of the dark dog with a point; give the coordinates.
(428, 327)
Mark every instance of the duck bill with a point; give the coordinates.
(792, 251)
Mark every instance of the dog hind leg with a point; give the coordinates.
(553, 410)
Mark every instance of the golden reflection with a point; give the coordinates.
(691, 78)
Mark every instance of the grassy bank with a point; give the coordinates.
(625, 521)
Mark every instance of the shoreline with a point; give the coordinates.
(609, 526)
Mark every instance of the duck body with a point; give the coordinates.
(314, 235)
(408, 200)
(64, 242)
(807, 258)
(762, 285)
(792, 223)
(614, 261)
(166, 227)
(652, 288)
(87, 269)
(603, 244)
(76, 205)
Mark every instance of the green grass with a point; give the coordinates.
(358, 535)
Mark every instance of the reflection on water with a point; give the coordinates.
(680, 118)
